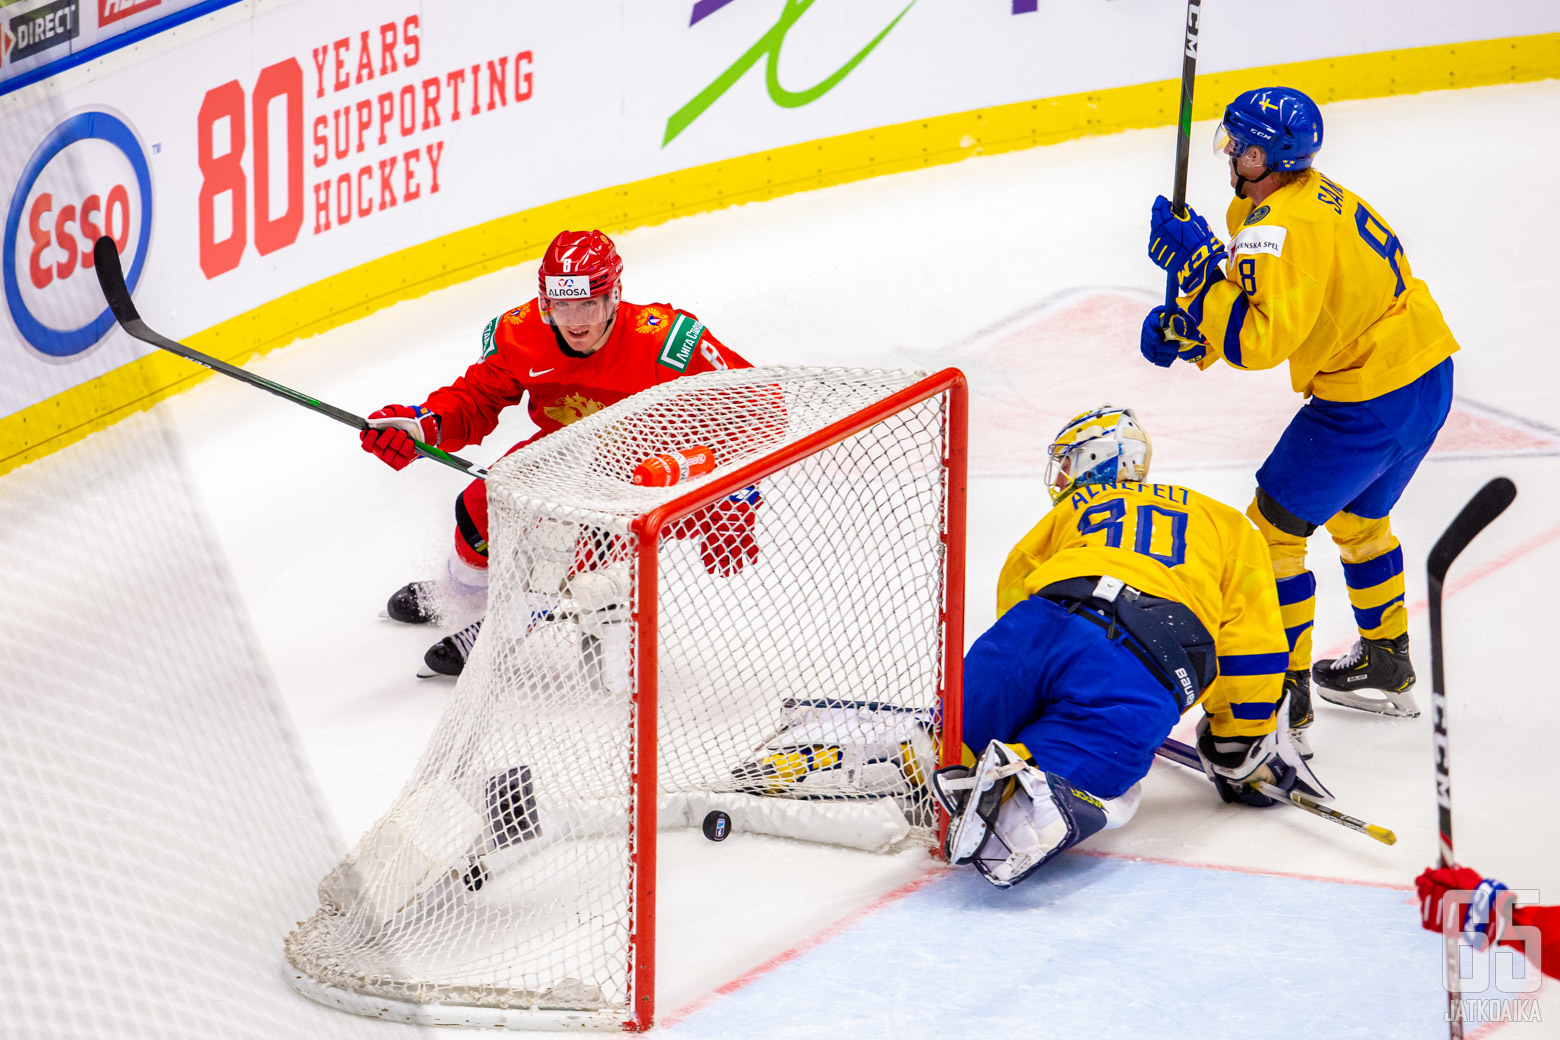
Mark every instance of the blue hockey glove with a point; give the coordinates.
(1185, 247)
(1181, 338)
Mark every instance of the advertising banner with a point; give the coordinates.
(266, 150)
(38, 35)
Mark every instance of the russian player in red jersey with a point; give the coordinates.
(575, 349)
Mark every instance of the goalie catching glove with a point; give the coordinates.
(1010, 819)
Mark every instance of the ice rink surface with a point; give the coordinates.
(1027, 270)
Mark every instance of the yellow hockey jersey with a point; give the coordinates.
(1171, 542)
(1316, 276)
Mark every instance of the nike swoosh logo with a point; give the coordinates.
(540, 372)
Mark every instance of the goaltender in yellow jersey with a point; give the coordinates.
(1126, 606)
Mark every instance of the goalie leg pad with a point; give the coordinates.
(840, 749)
(1045, 817)
(1010, 818)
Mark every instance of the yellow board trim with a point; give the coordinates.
(46, 427)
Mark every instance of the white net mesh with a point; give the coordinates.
(795, 633)
(158, 826)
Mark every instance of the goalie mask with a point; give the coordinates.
(1098, 447)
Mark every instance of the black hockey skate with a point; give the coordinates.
(1374, 676)
(1297, 688)
(414, 603)
(448, 656)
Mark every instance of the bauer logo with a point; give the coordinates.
(567, 286)
(89, 177)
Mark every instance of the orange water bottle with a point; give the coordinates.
(673, 467)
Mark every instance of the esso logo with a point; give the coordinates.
(88, 178)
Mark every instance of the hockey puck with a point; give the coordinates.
(717, 825)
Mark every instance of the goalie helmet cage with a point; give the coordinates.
(781, 638)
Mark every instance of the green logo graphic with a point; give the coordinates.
(769, 45)
(681, 338)
(488, 346)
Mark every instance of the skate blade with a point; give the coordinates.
(428, 673)
(1399, 705)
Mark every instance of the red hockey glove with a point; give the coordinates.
(391, 429)
(728, 544)
(1490, 908)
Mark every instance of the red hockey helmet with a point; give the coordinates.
(580, 266)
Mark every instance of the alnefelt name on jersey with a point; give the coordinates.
(1089, 492)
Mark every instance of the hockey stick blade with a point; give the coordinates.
(111, 279)
(1185, 755)
(1481, 510)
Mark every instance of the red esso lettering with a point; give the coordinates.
(62, 238)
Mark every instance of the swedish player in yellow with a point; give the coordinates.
(1127, 605)
(1314, 276)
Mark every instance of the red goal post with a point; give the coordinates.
(950, 382)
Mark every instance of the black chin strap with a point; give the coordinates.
(1241, 182)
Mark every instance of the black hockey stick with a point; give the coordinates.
(1183, 139)
(111, 279)
(1185, 755)
(1490, 501)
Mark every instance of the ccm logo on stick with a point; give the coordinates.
(89, 177)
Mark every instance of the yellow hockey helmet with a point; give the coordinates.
(1098, 447)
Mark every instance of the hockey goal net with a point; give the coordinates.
(779, 639)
